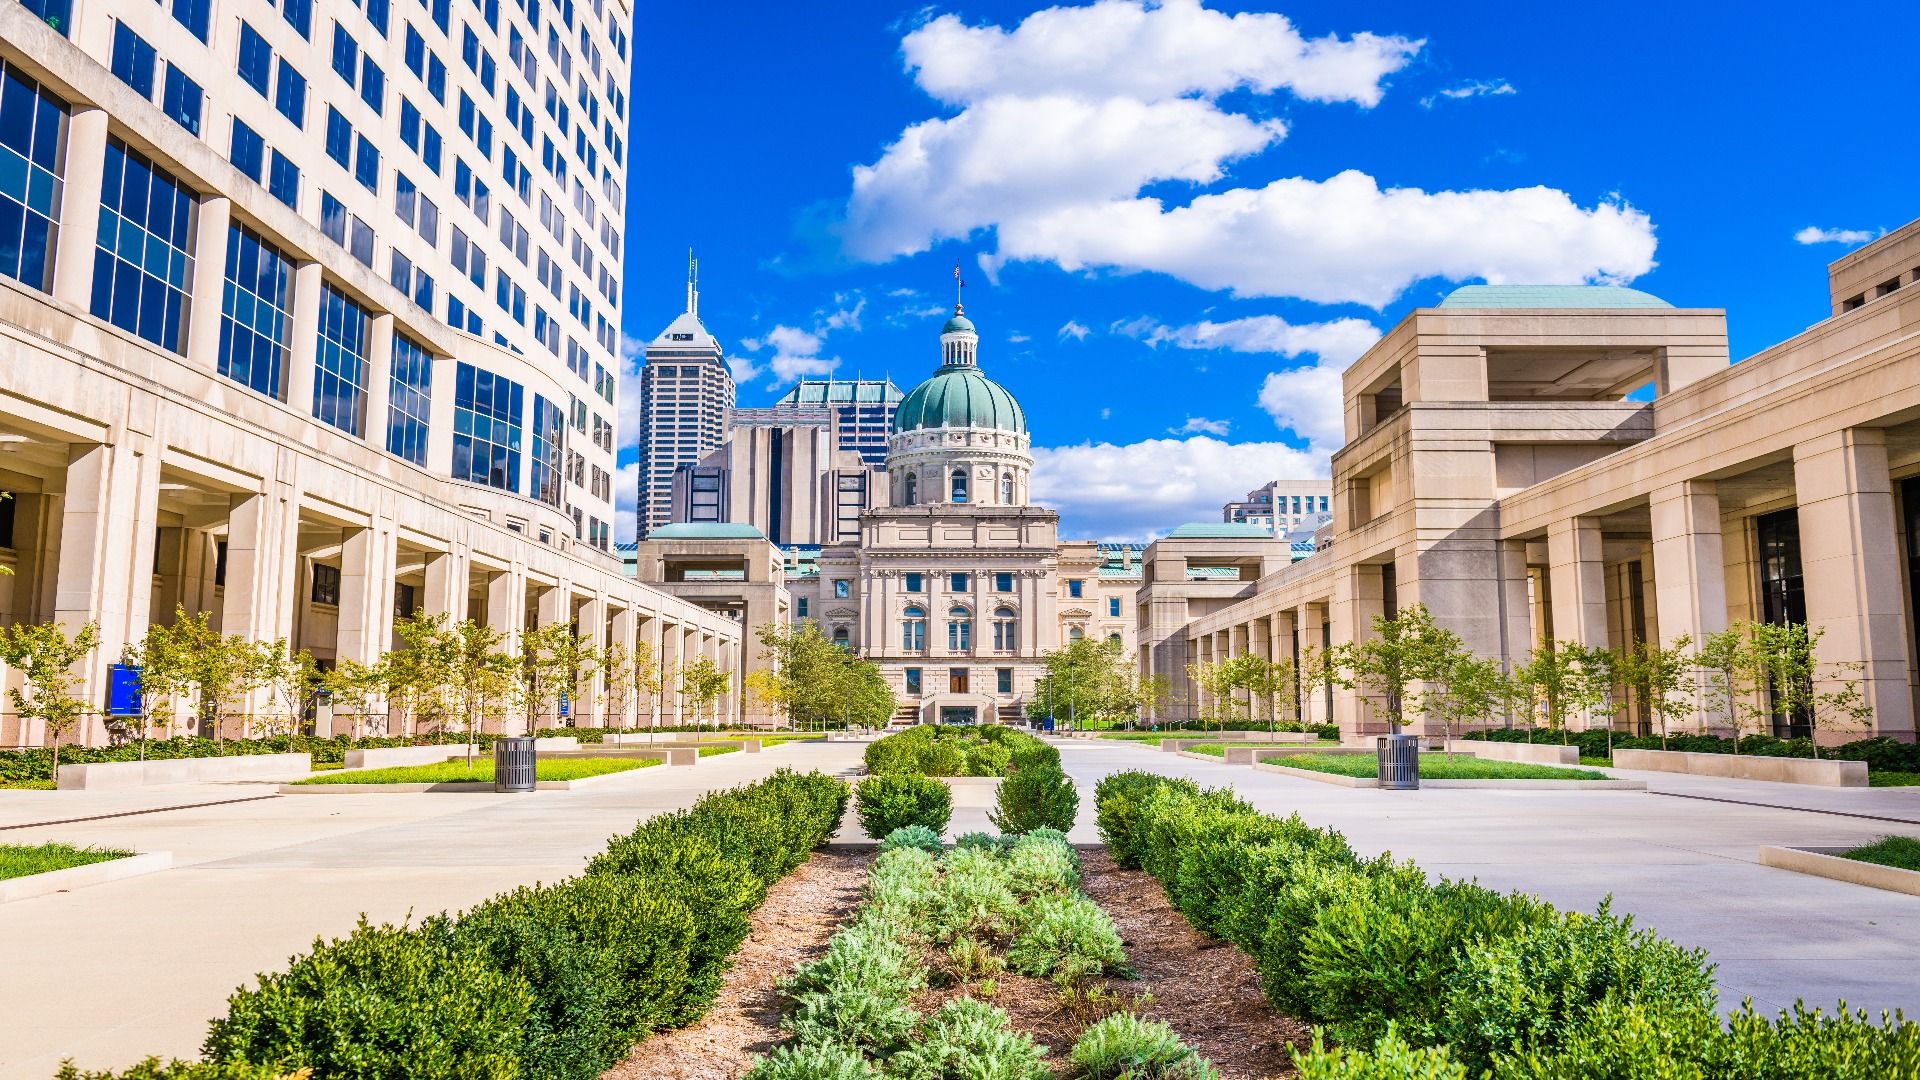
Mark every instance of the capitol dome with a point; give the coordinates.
(959, 437)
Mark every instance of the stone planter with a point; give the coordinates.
(1828, 863)
(79, 877)
(110, 775)
(1530, 753)
(1782, 770)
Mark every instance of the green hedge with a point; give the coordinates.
(900, 800)
(1880, 752)
(545, 981)
(936, 750)
(1375, 953)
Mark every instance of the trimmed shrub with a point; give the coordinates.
(991, 750)
(988, 759)
(154, 1069)
(1125, 1047)
(913, 836)
(1035, 797)
(971, 1039)
(988, 841)
(1527, 991)
(1038, 865)
(1067, 938)
(895, 800)
(382, 1001)
(1390, 1059)
(1117, 799)
(812, 1063)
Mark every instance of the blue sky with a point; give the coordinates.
(1179, 222)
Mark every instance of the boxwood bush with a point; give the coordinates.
(1879, 752)
(942, 750)
(1037, 797)
(548, 981)
(897, 800)
(1501, 984)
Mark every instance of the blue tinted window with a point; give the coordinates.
(416, 53)
(32, 125)
(182, 100)
(256, 60)
(248, 152)
(192, 14)
(256, 323)
(340, 366)
(377, 14)
(486, 428)
(55, 13)
(142, 267)
(409, 394)
(339, 138)
(290, 94)
(549, 423)
(284, 183)
(299, 15)
(366, 163)
(346, 54)
(373, 85)
(133, 60)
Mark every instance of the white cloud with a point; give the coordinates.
(1019, 338)
(1340, 341)
(1477, 88)
(1344, 239)
(1815, 235)
(1306, 401)
(1106, 414)
(1074, 330)
(1064, 120)
(1200, 425)
(796, 353)
(626, 493)
(1139, 490)
(1127, 48)
(633, 356)
(1020, 157)
(845, 318)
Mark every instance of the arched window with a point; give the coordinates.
(959, 485)
(1075, 634)
(1113, 638)
(959, 629)
(1006, 488)
(1006, 630)
(841, 638)
(913, 629)
(913, 489)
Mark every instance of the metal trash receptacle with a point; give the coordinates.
(513, 763)
(1399, 762)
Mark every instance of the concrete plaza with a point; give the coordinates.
(111, 973)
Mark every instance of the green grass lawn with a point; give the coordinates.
(1897, 851)
(20, 860)
(1437, 767)
(481, 771)
(1138, 736)
(1219, 749)
(26, 785)
(776, 740)
(1596, 762)
(709, 751)
(1877, 778)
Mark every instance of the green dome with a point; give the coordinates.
(958, 323)
(959, 396)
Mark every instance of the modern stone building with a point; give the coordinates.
(860, 412)
(686, 396)
(308, 319)
(793, 481)
(1283, 506)
(1582, 464)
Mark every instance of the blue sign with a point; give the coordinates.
(123, 690)
(566, 707)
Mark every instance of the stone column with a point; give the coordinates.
(625, 629)
(105, 564)
(209, 282)
(1578, 581)
(258, 598)
(1313, 699)
(656, 638)
(1358, 596)
(589, 710)
(507, 606)
(440, 405)
(307, 284)
(80, 209)
(1689, 570)
(379, 380)
(446, 588)
(366, 593)
(673, 639)
(1849, 554)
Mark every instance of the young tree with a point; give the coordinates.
(420, 674)
(1549, 680)
(1661, 679)
(813, 681)
(44, 655)
(1784, 665)
(616, 663)
(1733, 676)
(1089, 680)
(1322, 670)
(355, 688)
(647, 679)
(293, 677)
(1405, 649)
(1462, 688)
(484, 681)
(1595, 670)
(702, 682)
(1840, 703)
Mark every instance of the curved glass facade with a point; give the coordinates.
(487, 413)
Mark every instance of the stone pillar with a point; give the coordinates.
(1849, 554)
(1313, 699)
(80, 209)
(204, 304)
(366, 593)
(262, 539)
(673, 638)
(105, 564)
(379, 380)
(1358, 596)
(1689, 570)
(1578, 582)
(446, 588)
(307, 283)
(625, 630)
(507, 606)
(656, 638)
(440, 415)
(590, 710)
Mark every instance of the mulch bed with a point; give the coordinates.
(801, 912)
(1205, 990)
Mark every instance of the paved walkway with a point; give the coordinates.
(109, 974)
(1688, 867)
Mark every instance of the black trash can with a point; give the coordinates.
(513, 761)
(1399, 762)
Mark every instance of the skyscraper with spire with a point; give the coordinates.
(686, 394)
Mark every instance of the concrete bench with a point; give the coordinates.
(109, 775)
(388, 757)
(1529, 753)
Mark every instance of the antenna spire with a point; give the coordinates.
(693, 284)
